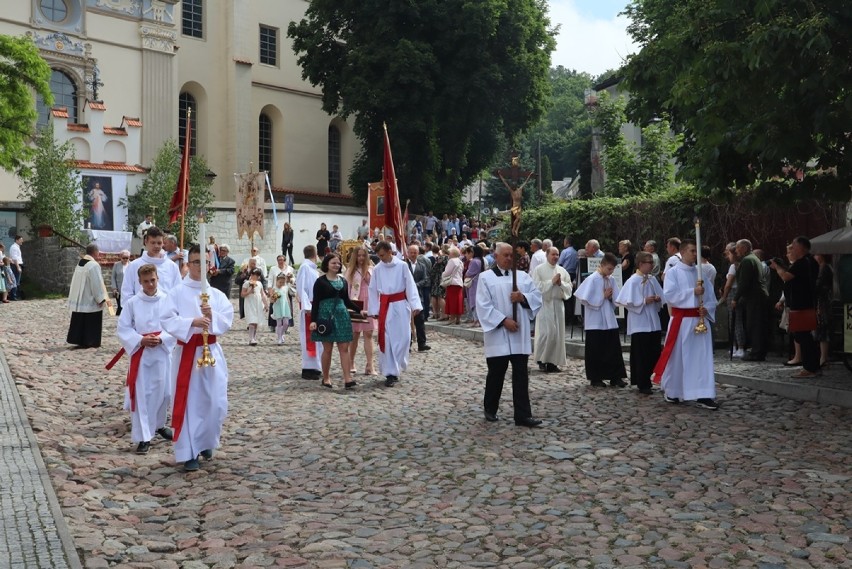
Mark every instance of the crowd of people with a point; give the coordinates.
(522, 296)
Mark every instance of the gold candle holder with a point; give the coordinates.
(206, 359)
(701, 327)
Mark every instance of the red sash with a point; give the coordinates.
(133, 370)
(187, 360)
(678, 314)
(310, 345)
(384, 305)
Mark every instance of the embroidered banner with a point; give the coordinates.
(250, 192)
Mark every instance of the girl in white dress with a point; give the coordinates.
(256, 303)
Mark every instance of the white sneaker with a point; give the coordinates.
(738, 354)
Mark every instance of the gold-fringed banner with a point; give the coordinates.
(250, 192)
(376, 205)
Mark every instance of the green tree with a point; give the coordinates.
(450, 78)
(51, 186)
(761, 90)
(22, 71)
(632, 169)
(566, 125)
(155, 193)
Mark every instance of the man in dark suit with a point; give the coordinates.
(221, 278)
(419, 266)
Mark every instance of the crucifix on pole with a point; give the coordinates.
(515, 178)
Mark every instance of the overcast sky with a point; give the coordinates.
(593, 37)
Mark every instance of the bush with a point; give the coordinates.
(671, 213)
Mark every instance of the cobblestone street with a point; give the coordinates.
(412, 476)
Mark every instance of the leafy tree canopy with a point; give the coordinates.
(448, 77)
(155, 193)
(761, 89)
(22, 70)
(51, 186)
(566, 126)
(632, 169)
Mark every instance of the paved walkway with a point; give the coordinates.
(34, 533)
(412, 476)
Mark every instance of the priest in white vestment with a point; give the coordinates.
(686, 364)
(554, 282)
(506, 335)
(393, 300)
(602, 352)
(642, 297)
(305, 279)
(200, 400)
(86, 300)
(168, 272)
(147, 388)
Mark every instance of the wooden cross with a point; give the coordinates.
(514, 178)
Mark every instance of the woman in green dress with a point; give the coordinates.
(330, 322)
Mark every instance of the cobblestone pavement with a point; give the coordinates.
(30, 536)
(412, 476)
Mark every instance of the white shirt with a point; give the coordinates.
(15, 253)
(142, 228)
(538, 258)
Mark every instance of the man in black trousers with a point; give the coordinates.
(507, 336)
(420, 267)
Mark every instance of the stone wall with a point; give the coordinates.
(50, 265)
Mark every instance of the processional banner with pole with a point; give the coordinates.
(250, 203)
(393, 212)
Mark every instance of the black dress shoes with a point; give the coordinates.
(391, 380)
(551, 368)
(491, 417)
(311, 374)
(166, 433)
(528, 422)
(424, 348)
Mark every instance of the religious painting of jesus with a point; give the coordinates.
(97, 202)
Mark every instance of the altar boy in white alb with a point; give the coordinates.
(168, 272)
(147, 393)
(686, 364)
(393, 300)
(642, 296)
(305, 279)
(602, 354)
(201, 393)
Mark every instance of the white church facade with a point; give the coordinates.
(125, 71)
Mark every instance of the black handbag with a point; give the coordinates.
(325, 326)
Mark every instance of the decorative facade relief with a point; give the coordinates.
(59, 42)
(158, 11)
(72, 57)
(158, 38)
(129, 7)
